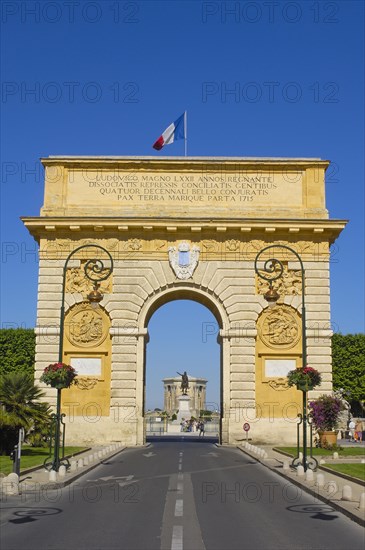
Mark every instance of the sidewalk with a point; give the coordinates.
(32, 481)
(332, 492)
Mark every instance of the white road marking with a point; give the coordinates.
(177, 538)
(180, 476)
(180, 466)
(179, 506)
(180, 487)
(112, 478)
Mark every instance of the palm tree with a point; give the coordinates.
(19, 407)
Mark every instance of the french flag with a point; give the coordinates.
(176, 130)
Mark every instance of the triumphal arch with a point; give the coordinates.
(183, 228)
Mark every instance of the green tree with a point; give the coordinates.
(20, 408)
(17, 350)
(348, 365)
(206, 414)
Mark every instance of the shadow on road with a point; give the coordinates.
(33, 514)
(318, 511)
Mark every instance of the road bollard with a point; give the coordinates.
(346, 492)
(11, 484)
(320, 480)
(362, 501)
(309, 476)
(52, 475)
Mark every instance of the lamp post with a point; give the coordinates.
(272, 270)
(96, 272)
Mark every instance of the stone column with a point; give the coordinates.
(127, 389)
(239, 381)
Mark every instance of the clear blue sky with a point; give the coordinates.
(106, 78)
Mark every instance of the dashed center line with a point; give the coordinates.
(177, 530)
(177, 538)
(179, 507)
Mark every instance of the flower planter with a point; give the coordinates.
(304, 378)
(328, 438)
(58, 375)
(305, 386)
(60, 385)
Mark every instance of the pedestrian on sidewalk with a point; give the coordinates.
(201, 428)
(358, 430)
(352, 430)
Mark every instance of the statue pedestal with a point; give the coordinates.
(184, 408)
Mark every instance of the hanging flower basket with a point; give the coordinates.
(305, 379)
(304, 386)
(59, 375)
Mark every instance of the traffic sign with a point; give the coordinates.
(246, 426)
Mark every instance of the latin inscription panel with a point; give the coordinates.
(166, 192)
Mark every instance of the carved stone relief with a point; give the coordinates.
(280, 328)
(183, 260)
(289, 284)
(279, 384)
(86, 383)
(84, 327)
(76, 281)
(230, 248)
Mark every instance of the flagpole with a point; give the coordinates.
(186, 132)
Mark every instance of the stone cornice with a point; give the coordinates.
(53, 227)
(168, 161)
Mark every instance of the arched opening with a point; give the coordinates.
(183, 330)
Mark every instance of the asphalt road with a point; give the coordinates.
(176, 495)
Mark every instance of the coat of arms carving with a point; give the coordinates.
(184, 260)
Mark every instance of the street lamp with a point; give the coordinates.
(96, 272)
(272, 270)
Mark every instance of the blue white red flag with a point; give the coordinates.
(176, 130)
